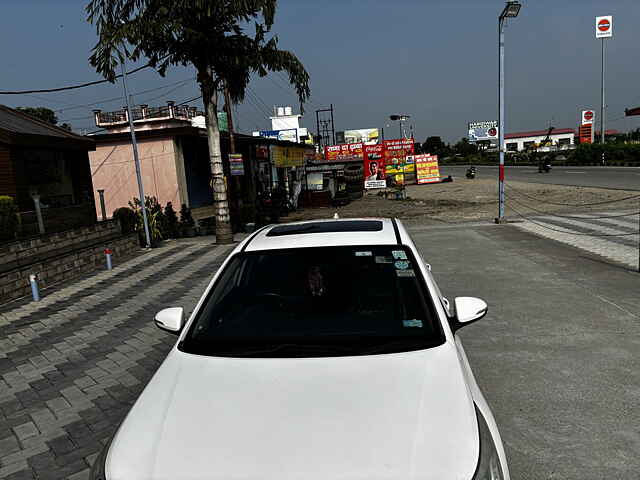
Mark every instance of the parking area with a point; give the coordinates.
(556, 356)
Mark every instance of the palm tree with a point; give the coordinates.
(212, 36)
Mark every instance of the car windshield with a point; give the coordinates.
(316, 302)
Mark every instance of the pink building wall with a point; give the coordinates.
(113, 169)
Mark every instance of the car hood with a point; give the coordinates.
(399, 416)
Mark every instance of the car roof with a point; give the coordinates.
(325, 233)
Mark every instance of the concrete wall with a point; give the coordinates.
(60, 256)
(113, 169)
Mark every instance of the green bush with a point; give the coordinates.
(127, 218)
(9, 218)
(171, 225)
(591, 153)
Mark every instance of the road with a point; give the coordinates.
(620, 178)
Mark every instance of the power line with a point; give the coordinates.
(70, 87)
(114, 99)
(259, 100)
(190, 100)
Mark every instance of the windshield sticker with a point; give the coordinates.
(384, 260)
(364, 254)
(399, 254)
(402, 264)
(412, 323)
(405, 273)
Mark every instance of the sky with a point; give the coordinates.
(435, 60)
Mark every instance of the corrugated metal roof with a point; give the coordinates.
(14, 122)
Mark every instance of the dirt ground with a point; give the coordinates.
(468, 200)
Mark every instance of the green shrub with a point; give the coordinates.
(9, 218)
(186, 220)
(171, 222)
(127, 218)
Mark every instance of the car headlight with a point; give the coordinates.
(98, 467)
(489, 463)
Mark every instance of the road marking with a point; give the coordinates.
(617, 306)
(569, 171)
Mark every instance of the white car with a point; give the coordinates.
(320, 350)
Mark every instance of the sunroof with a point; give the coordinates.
(327, 227)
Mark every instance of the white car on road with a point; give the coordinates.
(320, 350)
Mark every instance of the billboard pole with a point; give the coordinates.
(602, 121)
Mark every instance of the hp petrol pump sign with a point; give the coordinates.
(587, 117)
(604, 27)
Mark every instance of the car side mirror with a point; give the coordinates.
(468, 310)
(170, 319)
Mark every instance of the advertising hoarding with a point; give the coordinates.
(604, 26)
(427, 170)
(368, 136)
(395, 157)
(287, 156)
(374, 168)
(290, 134)
(236, 165)
(344, 153)
(483, 131)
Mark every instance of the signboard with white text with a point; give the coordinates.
(427, 170)
(604, 27)
(482, 131)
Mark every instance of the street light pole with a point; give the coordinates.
(135, 157)
(511, 10)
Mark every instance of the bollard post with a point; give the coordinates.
(36, 202)
(35, 292)
(107, 253)
(103, 209)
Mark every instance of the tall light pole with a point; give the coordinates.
(135, 155)
(511, 10)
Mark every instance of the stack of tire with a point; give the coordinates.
(354, 176)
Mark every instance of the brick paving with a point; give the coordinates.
(614, 239)
(72, 364)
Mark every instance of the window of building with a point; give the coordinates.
(512, 147)
(564, 141)
(527, 145)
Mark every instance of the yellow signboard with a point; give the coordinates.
(287, 156)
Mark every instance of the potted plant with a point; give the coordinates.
(171, 221)
(187, 224)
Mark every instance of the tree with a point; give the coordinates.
(208, 34)
(435, 146)
(464, 148)
(45, 114)
(41, 113)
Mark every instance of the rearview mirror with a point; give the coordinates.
(170, 319)
(468, 310)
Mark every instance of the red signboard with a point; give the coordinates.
(374, 175)
(343, 153)
(604, 25)
(585, 133)
(427, 170)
